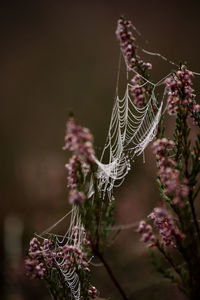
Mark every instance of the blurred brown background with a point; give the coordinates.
(58, 56)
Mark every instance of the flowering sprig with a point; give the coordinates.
(169, 175)
(166, 226)
(34, 263)
(81, 170)
(96, 217)
(96, 213)
(181, 94)
(139, 88)
(79, 141)
(168, 232)
(180, 91)
(128, 45)
(165, 237)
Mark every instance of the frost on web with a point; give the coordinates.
(131, 130)
(72, 241)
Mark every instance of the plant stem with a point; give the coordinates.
(169, 260)
(186, 157)
(194, 217)
(112, 276)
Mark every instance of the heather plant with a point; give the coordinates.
(176, 233)
(171, 230)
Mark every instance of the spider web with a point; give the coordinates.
(74, 237)
(130, 131)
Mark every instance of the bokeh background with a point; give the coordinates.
(58, 56)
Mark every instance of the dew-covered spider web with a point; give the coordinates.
(131, 130)
(74, 238)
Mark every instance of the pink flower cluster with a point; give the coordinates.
(137, 90)
(196, 108)
(73, 167)
(128, 46)
(147, 234)
(48, 254)
(79, 140)
(180, 91)
(40, 257)
(44, 256)
(76, 197)
(34, 265)
(133, 60)
(92, 292)
(34, 268)
(74, 254)
(170, 176)
(166, 226)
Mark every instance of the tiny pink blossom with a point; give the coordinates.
(76, 197)
(146, 234)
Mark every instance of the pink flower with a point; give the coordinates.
(133, 61)
(137, 91)
(166, 227)
(128, 46)
(196, 108)
(180, 91)
(76, 197)
(33, 264)
(75, 167)
(161, 145)
(169, 176)
(147, 234)
(92, 292)
(34, 268)
(79, 140)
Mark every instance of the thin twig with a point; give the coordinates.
(112, 276)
